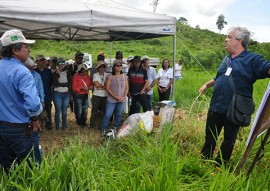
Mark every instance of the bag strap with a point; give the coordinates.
(84, 83)
(230, 76)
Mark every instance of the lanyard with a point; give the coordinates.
(232, 60)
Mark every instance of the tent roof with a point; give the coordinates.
(82, 20)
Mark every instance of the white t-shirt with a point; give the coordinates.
(164, 77)
(100, 79)
(177, 70)
(125, 68)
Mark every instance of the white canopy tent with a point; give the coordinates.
(80, 20)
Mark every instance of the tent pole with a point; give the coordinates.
(174, 61)
(110, 53)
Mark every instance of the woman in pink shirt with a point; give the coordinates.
(117, 88)
(81, 84)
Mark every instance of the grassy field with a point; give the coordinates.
(166, 161)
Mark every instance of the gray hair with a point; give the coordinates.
(29, 62)
(241, 33)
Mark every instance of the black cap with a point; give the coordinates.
(61, 61)
(78, 54)
(119, 54)
(136, 58)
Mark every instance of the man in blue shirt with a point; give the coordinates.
(152, 80)
(245, 69)
(19, 102)
(29, 63)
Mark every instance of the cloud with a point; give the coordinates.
(252, 14)
(200, 7)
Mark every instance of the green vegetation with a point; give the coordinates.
(166, 161)
(193, 45)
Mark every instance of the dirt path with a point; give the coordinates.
(54, 140)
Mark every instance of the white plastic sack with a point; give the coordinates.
(135, 122)
(146, 123)
(167, 114)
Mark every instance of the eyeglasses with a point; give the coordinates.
(118, 65)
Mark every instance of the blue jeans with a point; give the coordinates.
(81, 108)
(117, 108)
(61, 101)
(15, 145)
(149, 101)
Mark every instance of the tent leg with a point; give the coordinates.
(174, 61)
(110, 53)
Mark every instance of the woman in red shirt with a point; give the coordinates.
(81, 84)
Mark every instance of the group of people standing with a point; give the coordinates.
(134, 79)
(23, 98)
(65, 86)
(69, 86)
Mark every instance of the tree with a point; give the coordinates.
(155, 4)
(183, 20)
(221, 22)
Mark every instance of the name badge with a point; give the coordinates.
(228, 72)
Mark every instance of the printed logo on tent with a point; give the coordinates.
(166, 28)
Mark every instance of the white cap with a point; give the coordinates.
(130, 57)
(82, 66)
(14, 36)
(69, 62)
(145, 57)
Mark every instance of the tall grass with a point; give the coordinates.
(141, 162)
(167, 161)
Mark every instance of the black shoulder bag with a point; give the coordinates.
(240, 108)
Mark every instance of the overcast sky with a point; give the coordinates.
(253, 14)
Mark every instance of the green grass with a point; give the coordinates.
(167, 161)
(141, 162)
